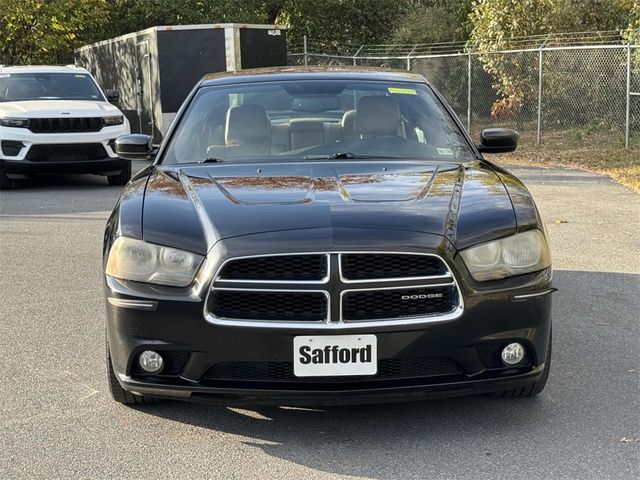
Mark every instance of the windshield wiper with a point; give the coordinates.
(344, 155)
(347, 155)
(212, 160)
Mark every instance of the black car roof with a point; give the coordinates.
(310, 73)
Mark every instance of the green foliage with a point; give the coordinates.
(39, 31)
(47, 31)
(132, 15)
(430, 21)
(339, 22)
(498, 23)
(632, 33)
(328, 22)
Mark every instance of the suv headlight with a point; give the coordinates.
(137, 260)
(113, 120)
(14, 122)
(520, 253)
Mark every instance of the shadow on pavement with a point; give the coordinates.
(61, 195)
(595, 340)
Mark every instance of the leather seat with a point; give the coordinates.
(348, 124)
(306, 132)
(247, 131)
(248, 126)
(377, 115)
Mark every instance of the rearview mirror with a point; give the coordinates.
(316, 103)
(498, 140)
(135, 147)
(113, 96)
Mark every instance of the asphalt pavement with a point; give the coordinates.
(57, 419)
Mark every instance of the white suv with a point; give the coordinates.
(58, 120)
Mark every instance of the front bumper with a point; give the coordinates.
(107, 166)
(346, 396)
(19, 160)
(491, 318)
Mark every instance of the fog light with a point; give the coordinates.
(150, 361)
(512, 354)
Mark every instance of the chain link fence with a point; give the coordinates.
(560, 95)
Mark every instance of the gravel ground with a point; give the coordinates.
(58, 421)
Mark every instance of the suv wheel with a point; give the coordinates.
(5, 182)
(531, 389)
(123, 177)
(118, 393)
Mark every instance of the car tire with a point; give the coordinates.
(533, 388)
(118, 393)
(123, 177)
(5, 182)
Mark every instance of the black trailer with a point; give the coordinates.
(155, 69)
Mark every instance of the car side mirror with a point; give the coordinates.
(498, 140)
(113, 96)
(135, 147)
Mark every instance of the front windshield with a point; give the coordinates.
(314, 119)
(17, 87)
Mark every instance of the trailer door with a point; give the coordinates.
(144, 89)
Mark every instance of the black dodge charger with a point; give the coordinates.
(319, 236)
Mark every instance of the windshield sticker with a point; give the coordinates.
(4, 75)
(444, 151)
(402, 91)
(80, 76)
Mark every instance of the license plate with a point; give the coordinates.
(335, 355)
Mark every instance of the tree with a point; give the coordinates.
(632, 32)
(127, 16)
(431, 21)
(334, 23)
(497, 25)
(46, 31)
(326, 23)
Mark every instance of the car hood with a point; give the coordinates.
(193, 207)
(57, 109)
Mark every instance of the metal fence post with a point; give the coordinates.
(627, 120)
(304, 45)
(409, 57)
(356, 54)
(539, 126)
(469, 92)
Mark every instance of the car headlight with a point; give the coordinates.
(137, 260)
(14, 122)
(113, 120)
(520, 253)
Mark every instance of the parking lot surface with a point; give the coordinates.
(58, 421)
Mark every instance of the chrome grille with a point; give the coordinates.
(269, 306)
(334, 290)
(398, 303)
(376, 266)
(280, 268)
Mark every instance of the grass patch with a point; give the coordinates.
(582, 150)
